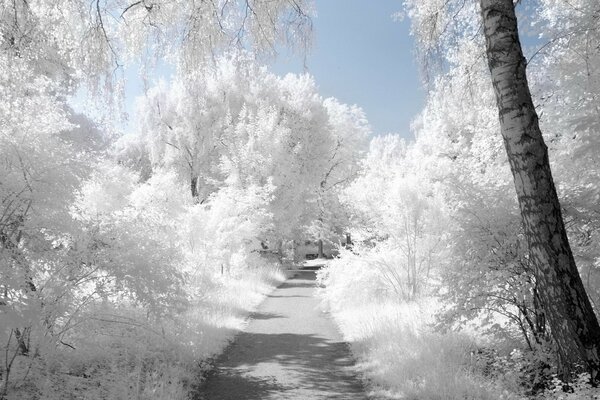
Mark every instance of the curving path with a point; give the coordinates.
(290, 350)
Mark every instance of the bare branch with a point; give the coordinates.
(129, 7)
(105, 34)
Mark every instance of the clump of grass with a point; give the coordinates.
(398, 350)
(118, 352)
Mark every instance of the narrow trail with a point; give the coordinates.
(290, 350)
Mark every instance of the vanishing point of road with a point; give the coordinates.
(290, 350)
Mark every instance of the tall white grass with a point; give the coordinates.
(397, 350)
(121, 354)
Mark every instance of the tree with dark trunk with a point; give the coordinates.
(567, 308)
(194, 187)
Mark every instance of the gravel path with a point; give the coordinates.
(290, 350)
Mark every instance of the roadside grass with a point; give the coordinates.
(118, 352)
(403, 358)
(398, 352)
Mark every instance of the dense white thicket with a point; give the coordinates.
(112, 281)
(236, 124)
(156, 248)
(454, 187)
(123, 270)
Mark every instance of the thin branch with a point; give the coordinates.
(172, 145)
(67, 344)
(551, 42)
(129, 7)
(102, 28)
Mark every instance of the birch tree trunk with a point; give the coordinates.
(569, 313)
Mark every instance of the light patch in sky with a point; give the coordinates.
(363, 56)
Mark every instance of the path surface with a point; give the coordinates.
(290, 350)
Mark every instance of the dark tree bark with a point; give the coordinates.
(194, 187)
(568, 311)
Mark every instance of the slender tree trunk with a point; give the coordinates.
(280, 250)
(320, 244)
(194, 187)
(295, 250)
(568, 311)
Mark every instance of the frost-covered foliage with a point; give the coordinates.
(113, 282)
(398, 214)
(236, 124)
(122, 271)
(394, 341)
(453, 187)
(567, 77)
(433, 239)
(94, 258)
(89, 41)
(46, 151)
(142, 275)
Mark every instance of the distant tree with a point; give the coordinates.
(235, 123)
(397, 209)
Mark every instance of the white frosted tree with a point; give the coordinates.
(49, 49)
(397, 208)
(572, 322)
(235, 123)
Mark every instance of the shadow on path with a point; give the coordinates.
(254, 367)
(290, 350)
(265, 315)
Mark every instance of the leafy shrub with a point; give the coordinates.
(396, 345)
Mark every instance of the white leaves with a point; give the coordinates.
(436, 25)
(236, 124)
(106, 192)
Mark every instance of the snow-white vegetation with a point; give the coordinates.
(437, 297)
(395, 343)
(131, 286)
(128, 261)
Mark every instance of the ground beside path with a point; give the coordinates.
(290, 350)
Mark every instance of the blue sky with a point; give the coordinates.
(362, 56)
